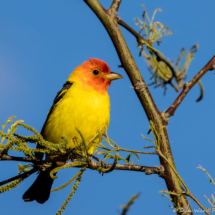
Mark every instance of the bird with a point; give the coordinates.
(83, 103)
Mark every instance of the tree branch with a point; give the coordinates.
(138, 37)
(6, 157)
(115, 5)
(188, 86)
(110, 21)
(159, 56)
(139, 152)
(40, 164)
(23, 176)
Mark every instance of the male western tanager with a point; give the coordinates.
(83, 103)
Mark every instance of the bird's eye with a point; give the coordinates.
(95, 72)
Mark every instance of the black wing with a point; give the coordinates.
(58, 97)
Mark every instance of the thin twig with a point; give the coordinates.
(195, 200)
(211, 179)
(159, 56)
(173, 85)
(23, 176)
(40, 164)
(188, 86)
(139, 38)
(23, 159)
(139, 152)
(128, 205)
(187, 192)
(160, 153)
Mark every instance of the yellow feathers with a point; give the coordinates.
(82, 104)
(85, 109)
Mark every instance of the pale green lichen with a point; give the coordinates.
(163, 71)
(70, 181)
(10, 185)
(74, 188)
(128, 205)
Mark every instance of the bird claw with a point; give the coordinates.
(102, 163)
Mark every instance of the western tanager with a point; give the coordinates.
(83, 103)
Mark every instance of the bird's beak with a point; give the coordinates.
(113, 76)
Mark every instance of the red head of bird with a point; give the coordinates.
(94, 73)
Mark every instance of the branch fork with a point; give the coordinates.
(188, 86)
(111, 24)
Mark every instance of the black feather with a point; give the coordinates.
(58, 97)
(40, 189)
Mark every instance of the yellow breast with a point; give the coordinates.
(83, 108)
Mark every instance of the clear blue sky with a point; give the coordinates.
(41, 42)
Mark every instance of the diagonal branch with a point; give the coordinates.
(138, 37)
(188, 86)
(187, 191)
(23, 176)
(115, 5)
(109, 20)
(159, 56)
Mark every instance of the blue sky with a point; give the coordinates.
(41, 42)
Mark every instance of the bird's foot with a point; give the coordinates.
(102, 163)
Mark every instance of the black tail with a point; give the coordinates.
(40, 189)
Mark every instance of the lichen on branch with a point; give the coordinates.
(10, 141)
